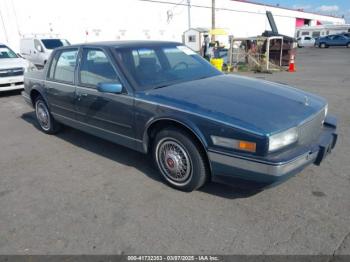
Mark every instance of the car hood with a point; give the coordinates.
(6, 63)
(258, 106)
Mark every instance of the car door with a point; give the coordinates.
(109, 114)
(307, 41)
(36, 52)
(60, 83)
(337, 40)
(341, 40)
(329, 40)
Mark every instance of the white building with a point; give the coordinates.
(80, 21)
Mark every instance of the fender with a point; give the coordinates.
(188, 124)
(41, 91)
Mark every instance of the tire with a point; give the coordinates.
(348, 45)
(180, 159)
(44, 118)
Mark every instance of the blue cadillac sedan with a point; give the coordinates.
(198, 124)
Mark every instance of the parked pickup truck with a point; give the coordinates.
(199, 124)
(12, 68)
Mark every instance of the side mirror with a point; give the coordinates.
(39, 48)
(114, 88)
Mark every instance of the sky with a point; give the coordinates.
(332, 7)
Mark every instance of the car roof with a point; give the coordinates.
(122, 44)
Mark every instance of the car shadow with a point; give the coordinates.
(10, 93)
(138, 160)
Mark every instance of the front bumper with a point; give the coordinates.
(269, 171)
(11, 83)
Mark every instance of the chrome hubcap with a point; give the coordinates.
(42, 115)
(174, 161)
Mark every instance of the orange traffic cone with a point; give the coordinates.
(291, 64)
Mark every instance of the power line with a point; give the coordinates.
(227, 9)
(15, 13)
(3, 25)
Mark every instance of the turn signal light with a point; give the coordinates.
(234, 143)
(247, 146)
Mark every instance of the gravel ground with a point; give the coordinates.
(77, 194)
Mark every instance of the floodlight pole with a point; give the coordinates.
(189, 13)
(213, 19)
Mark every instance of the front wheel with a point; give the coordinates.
(45, 120)
(180, 159)
(323, 45)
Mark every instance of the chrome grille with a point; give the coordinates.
(18, 71)
(312, 129)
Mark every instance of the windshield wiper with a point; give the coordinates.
(161, 86)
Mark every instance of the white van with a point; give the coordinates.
(38, 50)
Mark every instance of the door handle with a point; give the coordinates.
(80, 95)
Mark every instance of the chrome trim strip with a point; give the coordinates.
(82, 123)
(86, 88)
(59, 83)
(62, 107)
(266, 168)
(111, 122)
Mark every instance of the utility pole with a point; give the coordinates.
(189, 13)
(213, 19)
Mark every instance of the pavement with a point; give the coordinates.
(73, 193)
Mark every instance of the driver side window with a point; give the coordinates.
(96, 68)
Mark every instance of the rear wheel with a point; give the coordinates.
(180, 160)
(45, 120)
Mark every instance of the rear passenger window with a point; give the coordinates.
(63, 66)
(96, 68)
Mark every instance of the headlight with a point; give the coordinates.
(234, 143)
(283, 139)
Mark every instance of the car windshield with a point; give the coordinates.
(6, 52)
(54, 43)
(160, 66)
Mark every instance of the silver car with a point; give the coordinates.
(306, 41)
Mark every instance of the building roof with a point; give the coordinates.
(199, 29)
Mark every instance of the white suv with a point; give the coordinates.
(12, 68)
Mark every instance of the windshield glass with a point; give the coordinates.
(156, 67)
(6, 52)
(54, 43)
